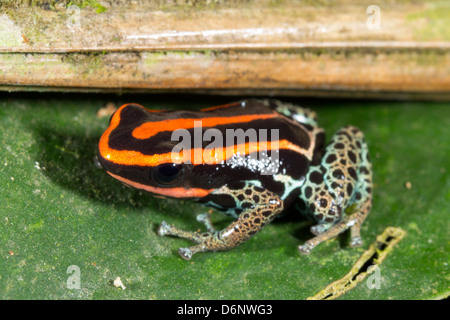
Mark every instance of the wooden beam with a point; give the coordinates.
(264, 47)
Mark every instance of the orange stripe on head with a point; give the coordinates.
(170, 192)
(104, 139)
(126, 156)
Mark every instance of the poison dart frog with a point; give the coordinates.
(141, 148)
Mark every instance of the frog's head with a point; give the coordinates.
(136, 149)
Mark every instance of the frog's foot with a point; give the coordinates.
(342, 180)
(355, 237)
(164, 229)
(167, 230)
(333, 231)
(186, 253)
(252, 219)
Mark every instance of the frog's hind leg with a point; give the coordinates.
(342, 179)
(362, 195)
(257, 207)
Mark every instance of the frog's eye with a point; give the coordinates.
(167, 173)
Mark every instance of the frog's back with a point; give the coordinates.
(259, 115)
(291, 145)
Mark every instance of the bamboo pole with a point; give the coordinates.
(334, 48)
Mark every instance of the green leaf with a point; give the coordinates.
(58, 209)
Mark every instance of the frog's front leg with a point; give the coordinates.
(342, 179)
(258, 207)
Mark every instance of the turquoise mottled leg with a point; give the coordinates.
(297, 113)
(342, 180)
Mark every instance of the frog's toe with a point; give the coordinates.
(185, 253)
(164, 229)
(305, 249)
(356, 242)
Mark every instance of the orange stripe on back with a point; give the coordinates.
(149, 129)
(195, 156)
